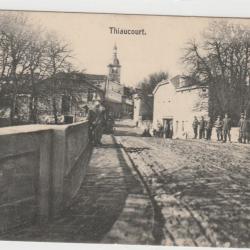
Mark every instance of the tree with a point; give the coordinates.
(147, 85)
(28, 55)
(15, 37)
(221, 61)
(36, 57)
(57, 60)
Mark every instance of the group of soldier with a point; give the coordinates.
(203, 128)
(99, 121)
(96, 121)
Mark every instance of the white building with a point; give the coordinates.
(176, 104)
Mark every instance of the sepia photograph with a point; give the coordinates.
(124, 129)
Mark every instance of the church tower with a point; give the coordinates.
(114, 67)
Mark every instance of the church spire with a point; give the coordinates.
(114, 67)
(115, 58)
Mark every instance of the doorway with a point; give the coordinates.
(168, 128)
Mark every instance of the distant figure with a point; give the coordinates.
(154, 132)
(91, 117)
(109, 128)
(208, 128)
(85, 111)
(202, 128)
(226, 127)
(166, 130)
(243, 129)
(146, 133)
(99, 123)
(218, 125)
(171, 129)
(195, 127)
(160, 129)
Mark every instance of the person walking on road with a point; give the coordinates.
(226, 127)
(218, 125)
(195, 127)
(208, 128)
(202, 128)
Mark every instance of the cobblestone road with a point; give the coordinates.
(157, 191)
(202, 187)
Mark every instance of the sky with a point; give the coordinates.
(92, 43)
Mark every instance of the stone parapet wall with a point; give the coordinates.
(41, 170)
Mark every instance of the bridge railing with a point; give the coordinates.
(41, 170)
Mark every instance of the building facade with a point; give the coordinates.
(117, 99)
(175, 105)
(70, 95)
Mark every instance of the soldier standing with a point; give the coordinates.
(99, 123)
(91, 117)
(201, 128)
(195, 127)
(208, 128)
(226, 128)
(218, 126)
(248, 130)
(243, 129)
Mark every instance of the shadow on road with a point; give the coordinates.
(119, 125)
(126, 133)
(136, 149)
(97, 205)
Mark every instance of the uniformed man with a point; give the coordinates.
(195, 127)
(248, 130)
(208, 128)
(99, 123)
(160, 129)
(202, 128)
(243, 129)
(91, 117)
(226, 127)
(218, 125)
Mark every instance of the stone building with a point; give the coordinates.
(114, 88)
(72, 92)
(176, 102)
(117, 99)
(75, 92)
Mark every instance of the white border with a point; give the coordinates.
(214, 8)
(227, 8)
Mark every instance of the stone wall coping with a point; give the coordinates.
(36, 128)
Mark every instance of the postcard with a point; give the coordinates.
(124, 129)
